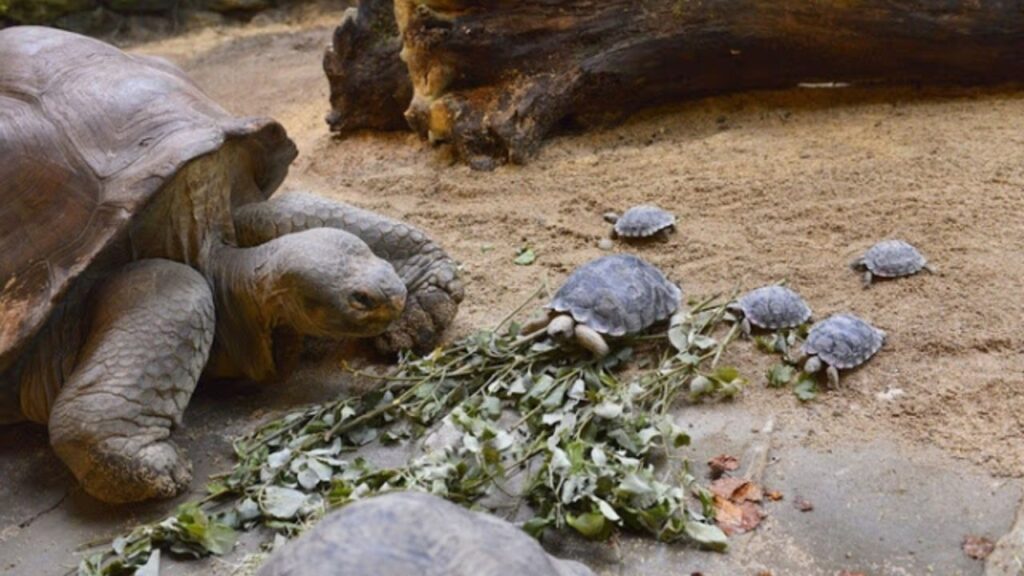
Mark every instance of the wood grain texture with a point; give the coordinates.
(370, 87)
(493, 77)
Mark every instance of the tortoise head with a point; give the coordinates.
(327, 283)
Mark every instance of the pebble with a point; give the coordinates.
(605, 244)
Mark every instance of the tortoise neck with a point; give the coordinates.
(247, 311)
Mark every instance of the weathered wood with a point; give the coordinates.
(370, 87)
(493, 77)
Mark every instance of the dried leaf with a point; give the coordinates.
(978, 547)
(525, 257)
(726, 487)
(735, 518)
(721, 464)
(774, 495)
(803, 505)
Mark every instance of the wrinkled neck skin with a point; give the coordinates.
(248, 311)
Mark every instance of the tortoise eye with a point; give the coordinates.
(362, 301)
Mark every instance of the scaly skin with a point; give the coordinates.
(430, 275)
(150, 334)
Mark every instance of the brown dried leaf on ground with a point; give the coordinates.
(978, 547)
(773, 495)
(737, 518)
(737, 508)
(721, 464)
(803, 505)
(737, 490)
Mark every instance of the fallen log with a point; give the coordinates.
(493, 77)
(370, 86)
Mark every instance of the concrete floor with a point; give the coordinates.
(878, 509)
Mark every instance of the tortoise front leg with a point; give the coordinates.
(430, 275)
(591, 340)
(859, 265)
(149, 337)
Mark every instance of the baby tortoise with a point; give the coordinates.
(890, 259)
(839, 342)
(643, 221)
(611, 296)
(771, 308)
(405, 533)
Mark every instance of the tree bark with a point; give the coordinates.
(493, 77)
(370, 86)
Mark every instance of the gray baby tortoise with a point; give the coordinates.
(126, 272)
(643, 221)
(890, 259)
(771, 308)
(412, 533)
(612, 295)
(839, 342)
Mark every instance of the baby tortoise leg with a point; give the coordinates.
(814, 365)
(858, 265)
(535, 323)
(737, 312)
(833, 376)
(589, 339)
(149, 337)
(430, 275)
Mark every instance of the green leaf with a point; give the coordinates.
(806, 389)
(525, 257)
(700, 386)
(779, 375)
(282, 503)
(703, 342)
(608, 410)
(606, 510)
(634, 484)
(591, 525)
(678, 338)
(725, 374)
(152, 565)
(535, 526)
(706, 534)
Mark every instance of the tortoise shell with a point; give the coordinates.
(88, 137)
(617, 295)
(894, 258)
(643, 221)
(774, 307)
(404, 533)
(844, 341)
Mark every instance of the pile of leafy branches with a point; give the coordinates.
(579, 438)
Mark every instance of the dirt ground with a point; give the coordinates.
(767, 186)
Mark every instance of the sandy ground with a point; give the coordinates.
(767, 186)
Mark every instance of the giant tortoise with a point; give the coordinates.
(126, 271)
(415, 534)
